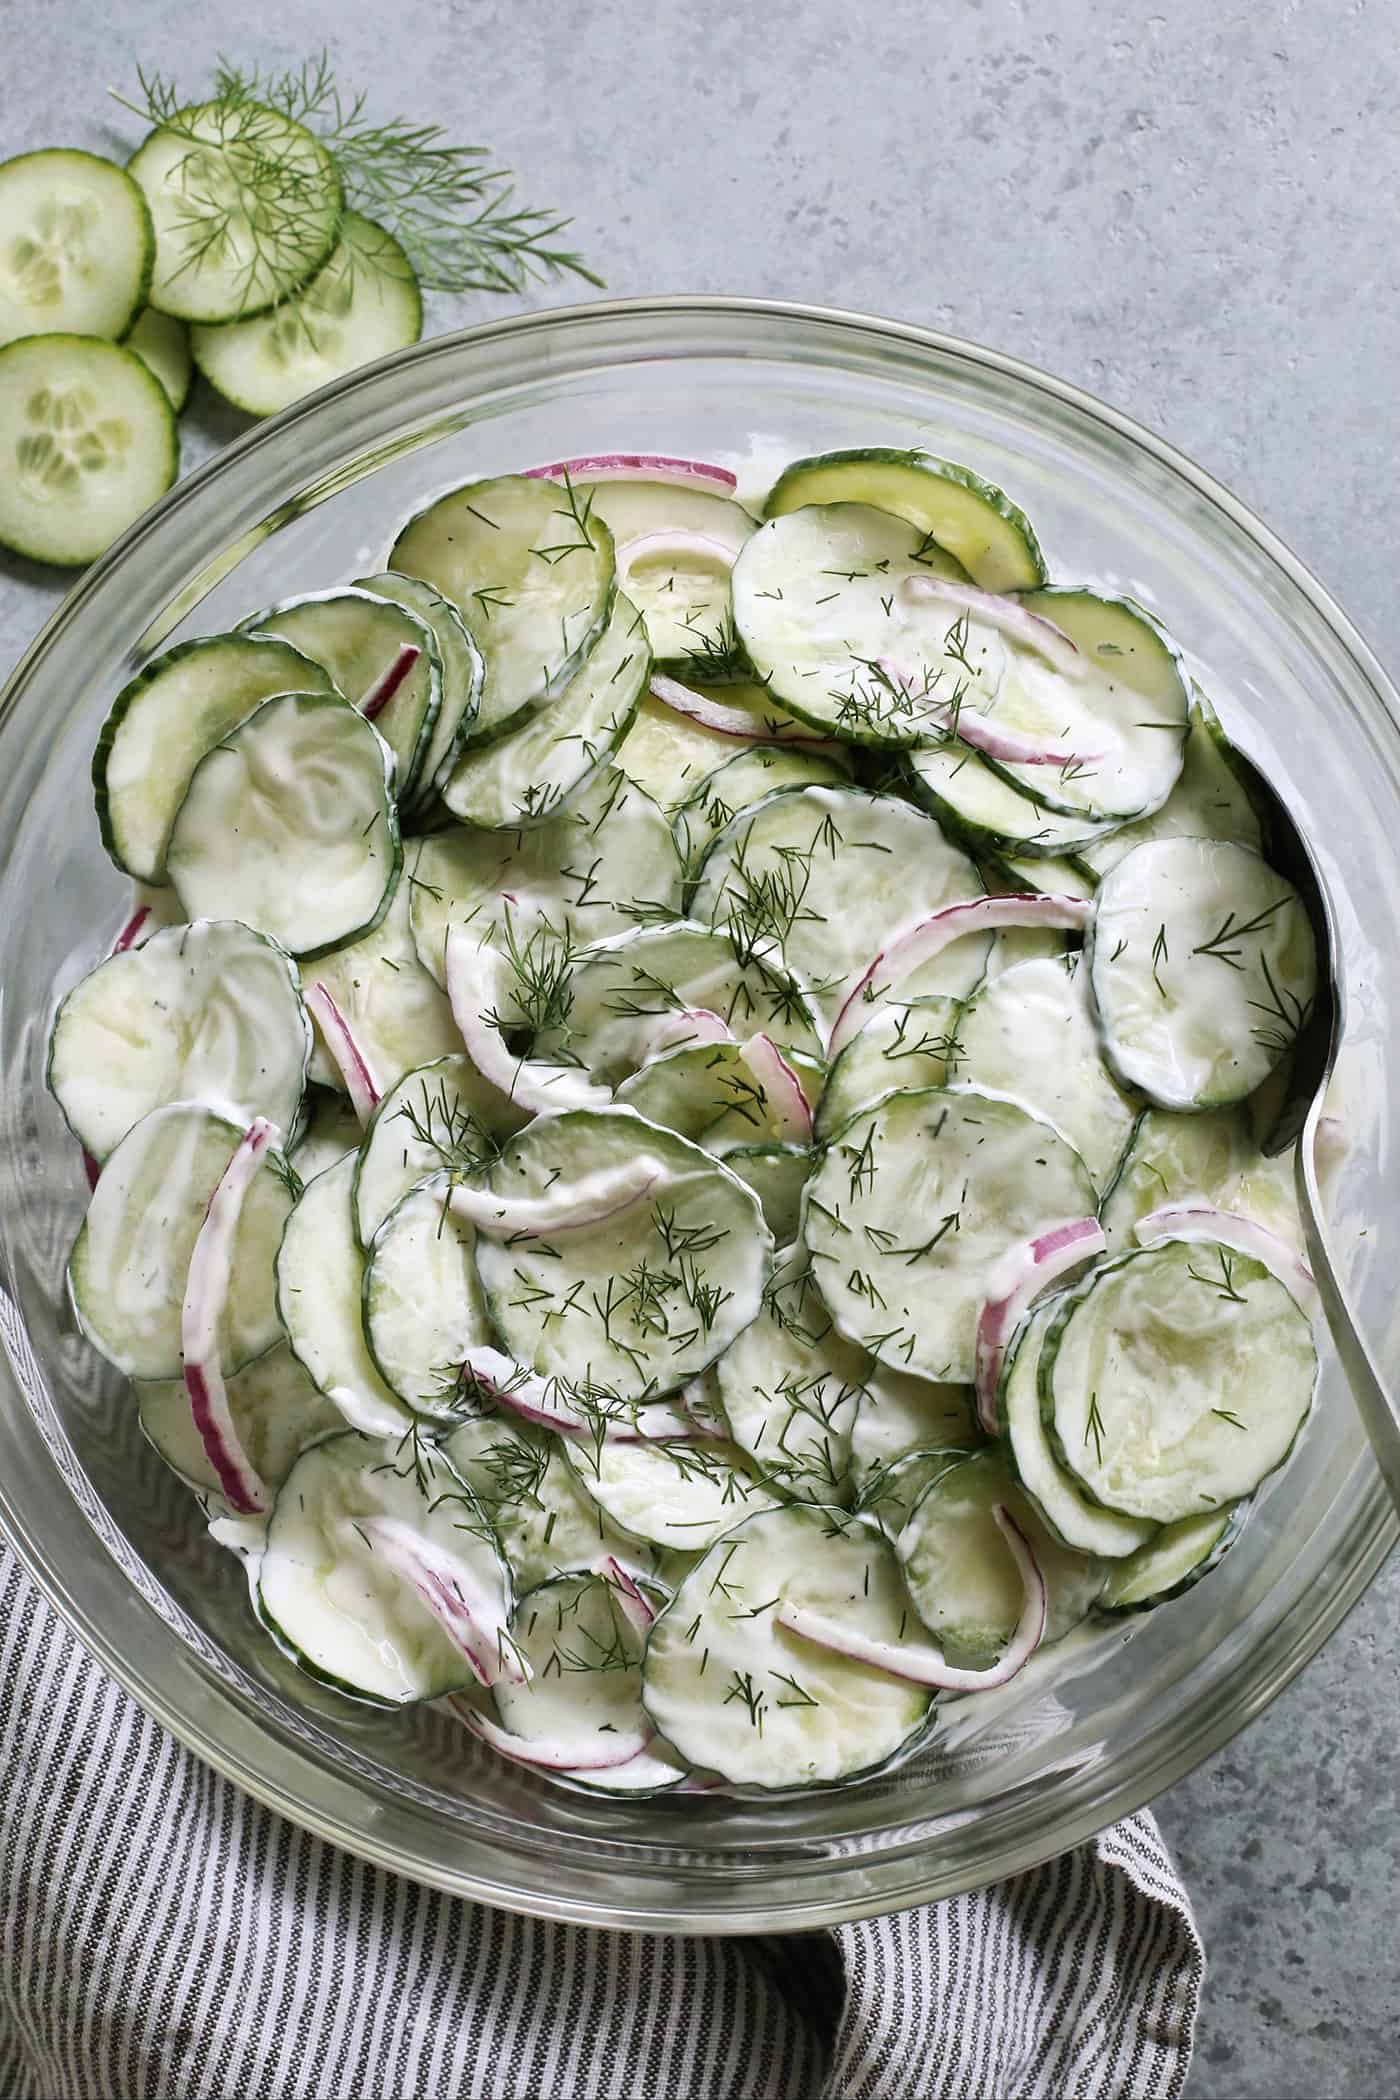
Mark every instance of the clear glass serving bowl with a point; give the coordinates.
(116, 1543)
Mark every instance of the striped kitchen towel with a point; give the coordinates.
(164, 1938)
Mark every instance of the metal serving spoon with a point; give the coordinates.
(1315, 1058)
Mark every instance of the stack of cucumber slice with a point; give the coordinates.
(679, 1129)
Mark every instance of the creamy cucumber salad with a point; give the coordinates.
(688, 1134)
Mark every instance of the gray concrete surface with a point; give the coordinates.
(1190, 212)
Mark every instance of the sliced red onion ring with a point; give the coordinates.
(597, 1754)
(206, 1294)
(789, 1112)
(579, 1205)
(1018, 1278)
(467, 1613)
(630, 1596)
(640, 466)
(675, 545)
(131, 932)
(345, 1052)
(544, 1402)
(1009, 745)
(923, 1662)
(1007, 617)
(478, 984)
(908, 951)
(687, 1027)
(1200, 1221)
(388, 682)
(729, 721)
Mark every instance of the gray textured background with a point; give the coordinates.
(1191, 213)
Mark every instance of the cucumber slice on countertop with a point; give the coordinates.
(526, 776)
(88, 441)
(277, 1412)
(1174, 1561)
(76, 245)
(966, 516)
(912, 1204)
(422, 1304)
(1030, 1034)
(682, 1495)
(208, 1012)
(675, 549)
(777, 1174)
(1176, 1379)
(1209, 801)
(246, 206)
(463, 673)
(1203, 970)
(717, 1665)
(320, 1289)
(533, 574)
(545, 1522)
(440, 1115)
(335, 1602)
(1071, 1515)
(1210, 1158)
(289, 824)
(360, 637)
(363, 303)
(396, 1014)
(824, 876)
(757, 771)
(988, 813)
(130, 1262)
(163, 345)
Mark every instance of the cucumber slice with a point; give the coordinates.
(441, 1115)
(422, 1304)
(165, 720)
(320, 1288)
(790, 1386)
(905, 1045)
(737, 1695)
(338, 1607)
(965, 515)
(209, 1012)
(246, 206)
(670, 1494)
(358, 636)
(1203, 971)
(91, 444)
(892, 1493)
(533, 574)
(397, 1015)
(601, 863)
(130, 1261)
(964, 1582)
(1175, 1560)
(1070, 1514)
(1029, 1034)
(757, 771)
(277, 1412)
(331, 1130)
(525, 777)
(1059, 877)
(650, 1296)
(545, 1522)
(912, 1204)
(1210, 1158)
(824, 876)
(1176, 1379)
(669, 756)
(687, 1090)
(1209, 801)
(77, 245)
(362, 304)
(675, 549)
(900, 1415)
(988, 813)
(163, 345)
(777, 1174)
(289, 823)
(463, 673)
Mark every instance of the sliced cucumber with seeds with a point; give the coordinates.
(163, 346)
(965, 515)
(533, 574)
(736, 1694)
(1209, 801)
(423, 1308)
(1204, 969)
(164, 721)
(130, 1262)
(1080, 1523)
(1175, 1560)
(1176, 1379)
(246, 206)
(362, 304)
(463, 673)
(76, 245)
(900, 1414)
(988, 812)
(790, 1386)
(545, 1522)
(824, 874)
(777, 1174)
(393, 1009)
(289, 823)
(912, 1204)
(1030, 1034)
(757, 771)
(320, 1288)
(277, 1412)
(670, 1494)
(675, 549)
(1210, 1159)
(441, 1115)
(209, 1012)
(91, 444)
(904, 1046)
(363, 640)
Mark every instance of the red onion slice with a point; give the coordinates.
(630, 1596)
(1011, 746)
(640, 466)
(385, 686)
(923, 1662)
(478, 984)
(344, 1051)
(675, 545)
(91, 1169)
(467, 1613)
(577, 1207)
(908, 951)
(789, 1113)
(686, 1028)
(206, 1294)
(545, 1402)
(555, 1754)
(1200, 1221)
(1009, 618)
(730, 721)
(131, 932)
(1017, 1279)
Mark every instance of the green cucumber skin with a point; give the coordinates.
(1207, 1564)
(148, 246)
